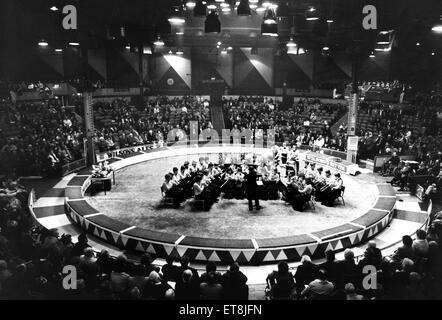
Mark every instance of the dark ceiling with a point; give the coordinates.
(27, 21)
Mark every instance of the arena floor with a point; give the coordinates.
(136, 199)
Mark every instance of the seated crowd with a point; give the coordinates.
(306, 122)
(47, 136)
(32, 261)
(120, 124)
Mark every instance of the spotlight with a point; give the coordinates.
(190, 4)
(433, 53)
(200, 9)
(326, 48)
(437, 28)
(53, 8)
(43, 43)
(212, 23)
(211, 5)
(127, 47)
(270, 17)
(243, 8)
(418, 44)
(291, 43)
(311, 14)
(158, 42)
(177, 17)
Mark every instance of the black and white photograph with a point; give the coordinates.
(212, 158)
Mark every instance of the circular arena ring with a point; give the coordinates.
(244, 250)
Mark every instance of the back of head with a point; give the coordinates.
(283, 267)
(154, 277)
(210, 266)
(187, 276)
(322, 275)
(349, 288)
(349, 255)
(421, 234)
(407, 241)
(234, 267)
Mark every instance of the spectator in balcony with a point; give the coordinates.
(348, 270)
(350, 293)
(280, 283)
(155, 288)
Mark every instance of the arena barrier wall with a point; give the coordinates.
(243, 251)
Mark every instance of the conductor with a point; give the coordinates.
(252, 189)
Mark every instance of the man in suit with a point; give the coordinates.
(252, 189)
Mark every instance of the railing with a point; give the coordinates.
(73, 166)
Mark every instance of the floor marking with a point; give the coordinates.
(127, 229)
(357, 225)
(179, 240)
(92, 215)
(255, 244)
(314, 237)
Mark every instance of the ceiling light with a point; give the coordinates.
(159, 42)
(253, 6)
(330, 20)
(326, 48)
(266, 3)
(291, 43)
(53, 8)
(433, 53)
(226, 9)
(74, 44)
(180, 52)
(190, 4)
(372, 55)
(418, 44)
(223, 51)
(270, 17)
(437, 28)
(43, 43)
(229, 48)
(261, 9)
(254, 1)
(211, 5)
(301, 51)
(176, 17)
(224, 5)
(58, 50)
(179, 33)
(127, 47)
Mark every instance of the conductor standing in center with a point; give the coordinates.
(252, 189)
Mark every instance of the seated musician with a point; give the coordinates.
(198, 188)
(333, 192)
(176, 177)
(311, 171)
(193, 168)
(167, 184)
(324, 186)
(202, 164)
(184, 173)
(303, 195)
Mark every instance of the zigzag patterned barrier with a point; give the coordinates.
(243, 251)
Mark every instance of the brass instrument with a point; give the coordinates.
(328, 185)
